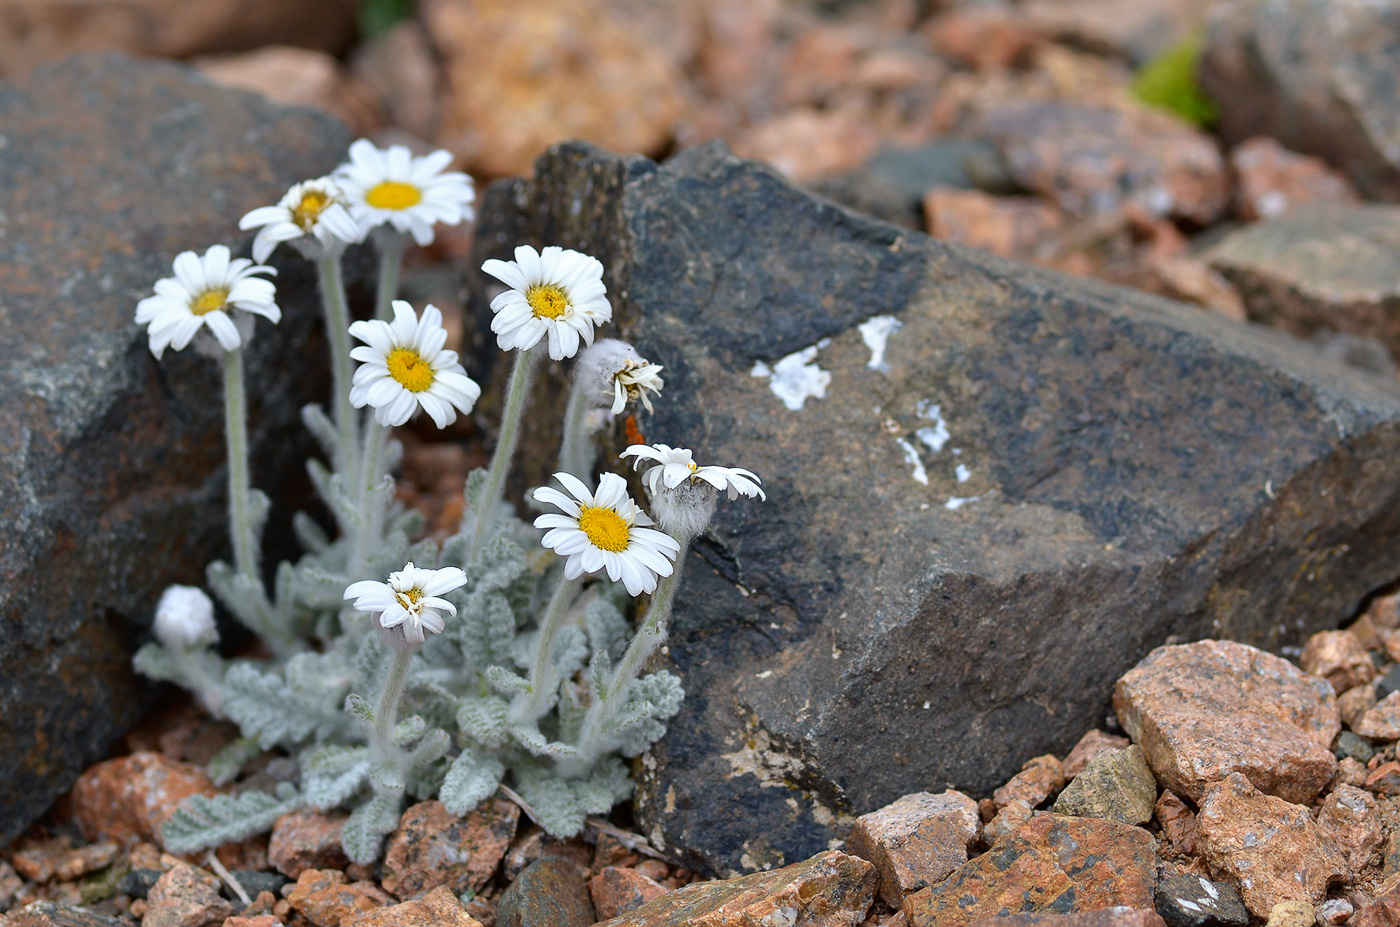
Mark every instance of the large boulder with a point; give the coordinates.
(112, 481)
(1318, 75)
(991, 490)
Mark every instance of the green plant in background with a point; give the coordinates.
(1169, 82)
(484, 660)
(376, 17)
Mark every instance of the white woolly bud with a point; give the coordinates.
(598, 367)
(185, 619)
(684, 510)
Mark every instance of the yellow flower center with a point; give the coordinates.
(312, 204)
(208, 301)
(408, 367)
(410, 599)
(546, 300)
(394, 194)
(604, 527)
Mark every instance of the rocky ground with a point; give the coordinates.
(1229, 786)
(1233, 787)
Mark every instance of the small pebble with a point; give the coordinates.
(138, 882)
(1388, 683)
(1352, 745)
(1333, 911)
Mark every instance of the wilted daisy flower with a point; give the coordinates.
(605, 530)
(203, 292)
(555, 292)
(311, 215)
(409, 600)
(611, 373)
(390, 186)
(185, 619)
(633, 382)
(403, 367)
(675, 464)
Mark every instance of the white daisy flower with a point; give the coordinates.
(409, 600)
(403, 367)
(312, 215)
(605, 530)
(633, 382)
(554, 292)
(676, 464)
(390, 186)
(185, 619)
(203, 292)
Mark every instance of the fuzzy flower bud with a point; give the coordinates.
(185, 619)
(611, 372)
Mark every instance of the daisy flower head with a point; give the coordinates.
(389, 186)
(311, 215)
(614, 373)
(185, 619)
(675, 464)
(555, 292)
(403, 367)
(409, 601)
(605, 530)
(203, 294)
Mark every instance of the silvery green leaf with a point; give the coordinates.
(483, 720)
(321, 428)
(229, 762)
(209, 821)
(360, 708)
(504, 681)
(386, 777)
(529, 737)
(309, 534)
(408, 729)
(264, 708)
(155, 662)
(434, 744)
(471, 779)
(363, 833)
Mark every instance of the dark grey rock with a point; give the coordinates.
(48, 914)
(254, 882)
(548, 891)
(1137, 470)
(1195, 901)
(111, 479)
(891, 186)
(1320, 268)
(138, 882)
(1318, 75)
(1353, 745)
(1116, 785)
(1388, 683)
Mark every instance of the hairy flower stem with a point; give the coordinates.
(490, 499)
(576, 450)
(332, 285)
(370, 508)
(391, 248)
(529, 706)
(207, 689)
(592, 738)
(386, 710)
(245, 544)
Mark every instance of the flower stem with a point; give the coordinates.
(528, 706)
(386, 710)
(245, 546)
(391, 248)
(516, 394)
(371, 509)
(337, 310)
(575, 451)
(649, 636)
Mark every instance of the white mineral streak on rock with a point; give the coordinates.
(796, 378)
(911, 456)
(875, 332)
(957, 502)
(936, 435)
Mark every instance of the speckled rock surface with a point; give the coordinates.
(1134, 469)
(1334, 267)
(828, 890)
(438, 908)
(1317, 76)
(1052, 864)
(1205, 710)
(1271, 849)
(916, 841)
(433, 847)
(111, 474)
(549, 891)
(1116, 785)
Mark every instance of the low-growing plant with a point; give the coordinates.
(401, 669)
(1169, 82)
